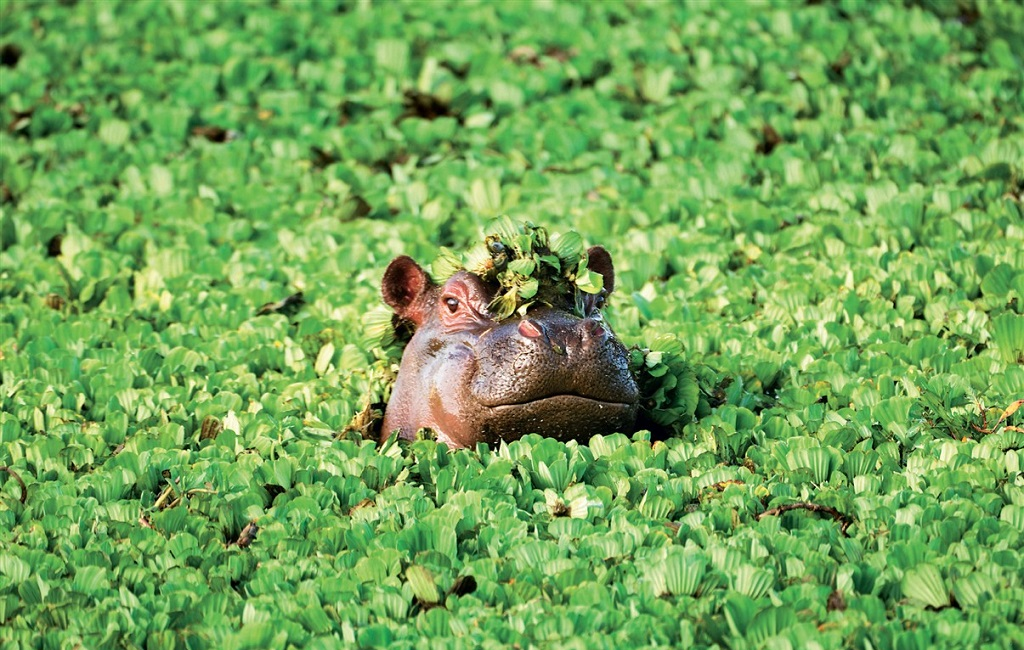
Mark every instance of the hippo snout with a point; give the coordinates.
(549, 355)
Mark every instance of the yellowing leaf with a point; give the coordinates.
(1010, 410)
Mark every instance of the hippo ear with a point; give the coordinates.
(599, 261)
(403, 287)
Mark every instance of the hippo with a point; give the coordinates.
(470, 377)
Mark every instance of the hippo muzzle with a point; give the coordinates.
(552, 373)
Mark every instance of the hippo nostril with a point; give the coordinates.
(595, 330)
(529, 329)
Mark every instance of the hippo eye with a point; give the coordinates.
(452, 304)
(599, 302)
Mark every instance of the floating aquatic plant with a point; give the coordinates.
(528, 265)
(671, 389)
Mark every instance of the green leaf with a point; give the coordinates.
(14, 568)
(752, 582)
(818, 460)
(422, 584)
(484, 196)
(567, 246)
(324, 358)
(523, 266)
(161, 180)
(998, 282)
(684, 573)
(115, 132)
(34, 590)
(970, 590)
(445, 265)
(1008, 336)
(924, 585)
(91, 581)
(1013, 514)
(529, 289)
(771, 622)
(590, 282)
(392, 55)
(656, 84)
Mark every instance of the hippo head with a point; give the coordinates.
(472, 378)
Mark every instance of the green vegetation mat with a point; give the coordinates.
(820, 203)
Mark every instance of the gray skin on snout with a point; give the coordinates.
(473, 379)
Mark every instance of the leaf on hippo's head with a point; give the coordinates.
(527, 266)
(504, 304)
(567, 246)
(523, 266)
(590, 282)
(478, 261)
(510, 232)
(529, 289)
